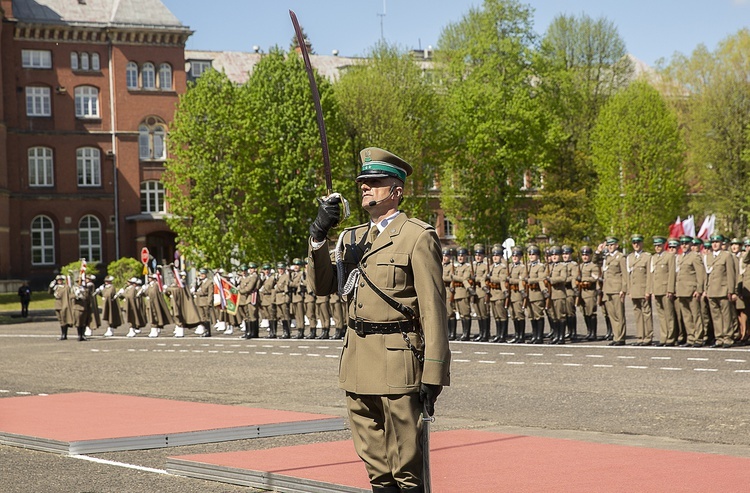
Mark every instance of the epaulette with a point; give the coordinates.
(420, 223)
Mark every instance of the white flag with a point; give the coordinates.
(688, 226)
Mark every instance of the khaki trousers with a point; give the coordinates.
(720, 316)
(616, 312)
(643, 322)
(387, 433)
(690, 309)
(665, 313)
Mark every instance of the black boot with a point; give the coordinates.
(452, 322)
(324, 334)
(285, 330)
(520, 326)
(534, 327)
(609, 336)
(313, 333)
(63, 333)
(561, 332)
(300, 333)
(248, 330)
(487, 331)
(466, 324)
(573, 328)
(340, 333)
(540, 331)
(81, 332)
(273, 325)
(499, 336)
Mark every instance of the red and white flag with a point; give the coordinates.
(82, 271)
(707, 228)
(675, 230)
(177, 278)
(159, 280)
(688, 226)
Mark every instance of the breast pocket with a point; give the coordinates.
(393, 269)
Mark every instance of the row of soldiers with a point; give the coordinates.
(266, 296)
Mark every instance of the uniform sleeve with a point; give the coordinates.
(320, 271)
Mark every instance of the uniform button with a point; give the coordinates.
(359, 305)
(391, 260)
(364, 264)
(361, 285)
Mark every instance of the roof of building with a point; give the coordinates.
(120, 13)
(239, 65)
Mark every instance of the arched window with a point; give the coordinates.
(84, 61)
(87, 102)
(148, 76)
(89, 167)
(40, 167)
(131, 75)
(95, 61)
(152, 136)
(448, 225)
(42, 241)
(73, 60)
(165, 77)
(90, 239)
(152, 197)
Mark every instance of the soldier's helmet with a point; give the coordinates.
(463, 251)
(697, 241)
(252, 265)
(91, 277)
(659, 240)
(281, 265)
(612, 240)
(533, 250)
(517, 252)
(183, 273)
(297, 261)
(636, 238)
(567, 249)
(497, 249)
(586, 250)
(555, 250)
(717, 237)
(479, 249)
(139, 281)
(379, 163)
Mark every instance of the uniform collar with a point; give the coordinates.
(382, 224)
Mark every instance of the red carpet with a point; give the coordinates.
(84, 422)
(476, 461)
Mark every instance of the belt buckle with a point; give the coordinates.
(359, 328)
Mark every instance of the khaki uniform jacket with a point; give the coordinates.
(204, 295)
(662, 273)
(133, 307)
(268, 291)
(404, 262)
(498, 277)
(614, 271)
(558, 278)
(283, 283)
(480, 276)
(516, 272)
(158, 312)
(639, 280)
(248, 285)
(110, 306)
(721, 279)
(298, 285)
(537, 274)
(590, 275)
(690, 274)
(81, 305)
(462, 274)
(183, 307)
(62, 294)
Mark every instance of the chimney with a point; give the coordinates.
(7, 7)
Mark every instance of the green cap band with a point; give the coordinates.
(385, 168)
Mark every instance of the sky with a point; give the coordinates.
(651, 29)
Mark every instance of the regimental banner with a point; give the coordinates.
(225, 294)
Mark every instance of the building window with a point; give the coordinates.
(449, 233)
(42, 241)
(95, 65)
(40, 167)
(148, 76)
(36, 59)
(84, 61)
(38, 101)
(73, 60)
(87, 102)
(165, 77)
(131, 75)
(90, 239)
(198, 67)
(152, 140)
(89, 167)
(152, 197)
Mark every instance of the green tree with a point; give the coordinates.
(386, 101)
(73, 269)
(638, 153)
(494, 127)
(123, 269)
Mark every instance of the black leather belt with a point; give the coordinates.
(362, 327)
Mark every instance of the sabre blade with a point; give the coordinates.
(316, 101)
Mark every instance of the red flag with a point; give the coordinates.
(675, 230)
(159, 281)
(82, 272)
(177, 278)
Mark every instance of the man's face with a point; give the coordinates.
(566, 257)
(386, 191)
(295, 268)
(735, 247)
(637, 245)
(479, 257)
(585, 257)
(496, 259)
(555, 257)
(658, 247)
(533, 257)
(716, 245)
(516, 258)
(461, 258)
(612, 247)
(695, 248)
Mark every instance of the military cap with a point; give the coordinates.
(586, 250)
(91, 277)
(697, 241)
(447, 252)
(479, 248)
(266, 266)
(252, 265)
(59, 277)
(139, 281)
(736, 241)
(517, 251)
(611, 240)
(183, 273)
(463, 251)
(717, 237)
(281, 265)
(636, 238)
(746, 241)
(221, 271)
(555, 250)
(297, 261)
(133, 280)
(453, 252)
(379, 163)
(686, 239)
(203, 271)
(673, 242)
(659, 240)
(243, 266)
(567, 249)
(533, 250)
(109, 279)
(497, 249)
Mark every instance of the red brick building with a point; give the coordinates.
(87, 91)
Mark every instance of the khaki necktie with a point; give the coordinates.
(374, 231)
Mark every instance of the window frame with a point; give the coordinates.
(86, 104)
(203, 64)
(165, 75)
(152, 137)
(90, 249)
(43, 165)
(88, 167)
(42, 240)
(41, 99)
(35, 59)
(95, 62)
(148, 76)
(131, 75)
(155, 196)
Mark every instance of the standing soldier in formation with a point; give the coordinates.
(110, 306)
(481, 292)
(81, 305)
(204, 300)
(704, 248)
(336, 305)
(499, 293)
(267, 297)
(94, 320)
(738, 307)
(587, 285)
(249, 286)
(462, 282)
(449, 268)
(298, 289)
(743, 292)
(638, 265)
(571, 322)
(60, 290)
(536, 275)
(134, 316)
(721, 282)
(614, 289)
(558, 309)
(323, 313)
(310, 307)
(690, 277)
(518, 296)
(283, 298)
(662, 273)
(184, 311)
(158, 311)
